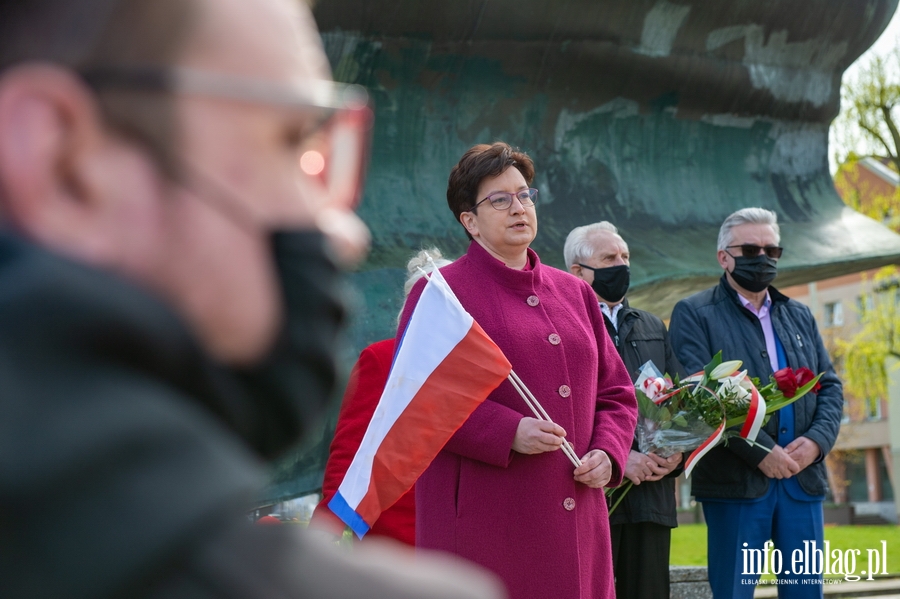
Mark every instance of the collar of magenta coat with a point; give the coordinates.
(524, 280)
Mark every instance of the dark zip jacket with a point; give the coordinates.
(641, 337)
(714, 320)
(127, 451)
(128, 458)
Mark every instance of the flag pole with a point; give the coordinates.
(538, 410)
(526, 394)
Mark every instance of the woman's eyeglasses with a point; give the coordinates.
(749, 250)
(502, 200)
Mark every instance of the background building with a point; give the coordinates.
(859, 467)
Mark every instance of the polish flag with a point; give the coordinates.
(444, 366)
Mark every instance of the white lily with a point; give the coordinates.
(725, 369)
(744, 379)
(735, 387)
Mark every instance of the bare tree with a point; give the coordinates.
(870, 111)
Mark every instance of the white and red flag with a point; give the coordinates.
(444, 366)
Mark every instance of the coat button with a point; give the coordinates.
(569, 504)
(554, 339)
(533, 300)
(565, 391)
(783, 431)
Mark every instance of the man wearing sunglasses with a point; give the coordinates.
(774, 490)
(169, 305)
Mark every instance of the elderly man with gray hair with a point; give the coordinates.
(641, 527)
(775, 488)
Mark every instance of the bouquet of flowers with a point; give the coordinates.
(701, 411)
(696, 413)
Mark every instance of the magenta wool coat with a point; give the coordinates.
(524, 516)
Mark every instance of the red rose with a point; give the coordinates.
(787, 382)
(805, 375)
(790, 380)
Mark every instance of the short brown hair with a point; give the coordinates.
(476, 165)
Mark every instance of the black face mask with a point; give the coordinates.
(754, 274)
(288, 388)
(611, 283)
(292, 384)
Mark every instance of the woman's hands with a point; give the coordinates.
(537, 436)
(595, 470)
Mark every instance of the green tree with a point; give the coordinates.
(867, 126)
(870, 111)
(862, 358)
(877, 201)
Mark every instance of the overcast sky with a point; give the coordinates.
(888, 40)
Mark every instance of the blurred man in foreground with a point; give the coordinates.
(168, 306)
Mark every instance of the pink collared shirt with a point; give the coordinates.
(766, 321)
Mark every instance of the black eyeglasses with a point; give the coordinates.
(748, 250)
(502, 200)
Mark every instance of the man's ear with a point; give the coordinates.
(468, 221)
(722, 257)
(50, 130)
(575, 270)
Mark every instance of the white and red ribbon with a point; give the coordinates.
(755, 416)
(704, 448)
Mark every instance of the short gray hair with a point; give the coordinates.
(578, 247)
(747, 216)
(423, 262)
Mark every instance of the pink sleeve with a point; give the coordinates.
(488, 434)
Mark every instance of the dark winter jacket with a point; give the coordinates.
(714, 320)
(641, 336)
(128, 458)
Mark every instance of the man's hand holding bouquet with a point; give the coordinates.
(713, 406)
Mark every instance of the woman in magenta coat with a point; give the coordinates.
(501, 493)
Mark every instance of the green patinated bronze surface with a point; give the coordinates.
(662, 117)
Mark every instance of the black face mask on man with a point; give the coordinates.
(754, 274)
(611, 283)
(277, 399)
(298, 375)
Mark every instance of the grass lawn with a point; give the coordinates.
(689, 543)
